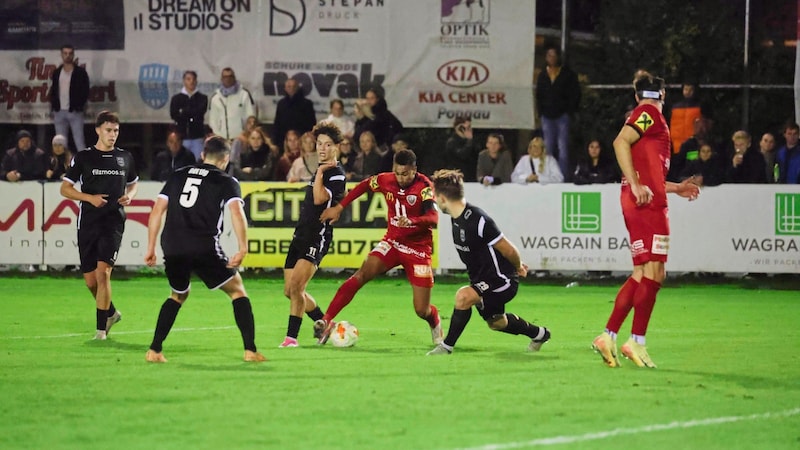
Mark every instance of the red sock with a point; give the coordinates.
(342, 298)
(622, 305)
(643, 302)
(433, 317)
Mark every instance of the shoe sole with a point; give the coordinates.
(606, 354)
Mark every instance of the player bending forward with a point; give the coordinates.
(194, 198)
(408, 241)
(493, 264)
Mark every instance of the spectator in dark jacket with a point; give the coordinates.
(187, 109)
(25, 161)
(60, 159)
(558, 95)
(744, 164)
(595, 167)
(68, 105)
(174, 157)
(705, 169)
(460, 150)
(385, 124)
(294, 112)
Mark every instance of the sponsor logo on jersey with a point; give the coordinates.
(644, 121)
(427, 194)
(422, 271)
(114, 172)
(660, 244)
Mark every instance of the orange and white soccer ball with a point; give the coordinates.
(344, 334)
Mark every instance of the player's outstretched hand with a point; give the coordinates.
(331, 214)
(236, 259)
(688, 189)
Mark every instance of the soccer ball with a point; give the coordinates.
(344, 334)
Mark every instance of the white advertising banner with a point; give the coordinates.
(561, 227)
(730, 228)
(435, 59)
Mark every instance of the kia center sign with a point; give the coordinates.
(435, 59)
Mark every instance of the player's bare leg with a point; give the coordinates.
(428, 312)
(370, 268)
(295, 283)
(99, 284)
(243, 313)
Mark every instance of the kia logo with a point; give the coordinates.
(462, 73)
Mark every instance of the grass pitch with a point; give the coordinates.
(728, 376)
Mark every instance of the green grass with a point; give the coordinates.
(723, 352)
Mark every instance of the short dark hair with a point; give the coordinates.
(450, 183)
(335, 101)
(645, 83)
(69, 46)
(405, 157)
(378, 91)
(791, 126)
(190, 72)
(328, 129)
(105, 116)
(460, 120)
(216, 147)
(500, 138)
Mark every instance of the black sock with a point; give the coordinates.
(102, 316)
(166, 318)
(518, 325)
(243, 313)
(111, 310)
(458, 322)
(316, 314)
(294, 326)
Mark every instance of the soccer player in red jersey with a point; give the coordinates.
(408, 241)
(643, 150)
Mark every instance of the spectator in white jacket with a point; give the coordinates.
(230, 106)
(537, 166)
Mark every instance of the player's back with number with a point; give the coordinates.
(197, 196)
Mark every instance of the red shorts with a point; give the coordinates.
(649, 233)
(416, 263)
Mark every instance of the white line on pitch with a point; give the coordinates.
(556, 440)
(69, 335)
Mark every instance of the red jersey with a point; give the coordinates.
(414, 202)
(650, 153)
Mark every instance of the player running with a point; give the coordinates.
(408, 241)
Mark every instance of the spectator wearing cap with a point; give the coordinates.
(25, 161)
(60, 158)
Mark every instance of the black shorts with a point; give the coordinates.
(211, 268)
(494, 298)
(311, 249)
(99, 243)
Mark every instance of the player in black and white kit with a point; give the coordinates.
(312, 238)
(493, 264)
(107, 175)
(194, 199)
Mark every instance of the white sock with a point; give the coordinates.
(639, 339)
(612, 334)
